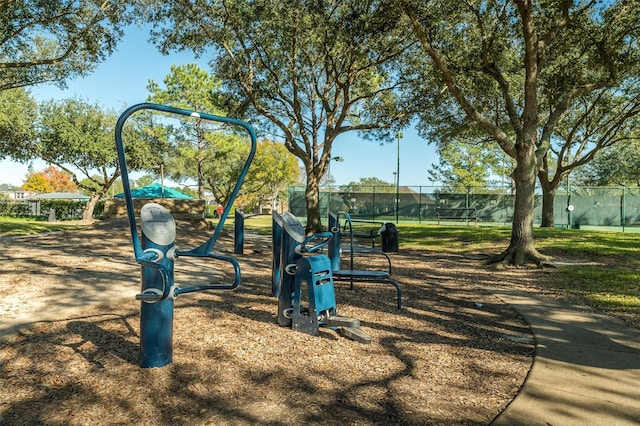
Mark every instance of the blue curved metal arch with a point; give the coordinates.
(204, 250)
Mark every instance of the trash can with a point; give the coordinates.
(389, 238)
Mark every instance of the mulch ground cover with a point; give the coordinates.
(454, 355)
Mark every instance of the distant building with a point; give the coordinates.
(13, 193)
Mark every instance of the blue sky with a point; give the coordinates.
(121, 81)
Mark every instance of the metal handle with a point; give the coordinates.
(231, 286)
(305, 247)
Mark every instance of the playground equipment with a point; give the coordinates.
(155, 251)
(300, 278)
(355, 275)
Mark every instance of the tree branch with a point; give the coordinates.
(498, 134)
(72, 43)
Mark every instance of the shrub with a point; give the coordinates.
(15, 208)
(65, 209)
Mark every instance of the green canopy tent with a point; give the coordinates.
(155, 190)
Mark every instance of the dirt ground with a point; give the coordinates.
(454, 355)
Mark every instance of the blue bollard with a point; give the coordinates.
(156, 316)
(335, 243)
(238, 233)
(155, 250)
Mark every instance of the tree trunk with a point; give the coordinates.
(274, 202)
(87, 213)
(549, 188)
(522, 249)
(312, 199)
(201, 180)
(200, 161)
(548, 195)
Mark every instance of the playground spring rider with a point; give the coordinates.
(293, 272)
(156, 252)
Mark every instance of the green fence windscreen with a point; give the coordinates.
(592, 206)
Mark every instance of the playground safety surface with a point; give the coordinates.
(456, 354)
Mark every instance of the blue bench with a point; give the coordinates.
(351, 274)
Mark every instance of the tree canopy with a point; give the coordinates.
(618, 165)
(309, 70)
(55, 40)
(78, 138)
(272, 171)
(368, 184)
(17, 113)
(50, 179)
(465, 164)
(191, 149)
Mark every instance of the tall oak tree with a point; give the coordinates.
(516, 69)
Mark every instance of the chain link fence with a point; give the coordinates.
(574, 207)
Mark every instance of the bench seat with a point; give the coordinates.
(351, 274)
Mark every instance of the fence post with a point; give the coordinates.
(373, 203)
(569, 204)
(420, 204)
(623, 210)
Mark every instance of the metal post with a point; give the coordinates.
(292, 236)
(395, 200)
(373, 203)
(238, 233)
(623, 209)
(420, 205)
(570, 204)
(329, 178)
(398, 136)
(466, 198)
(504, 171)
(156, 316)
(337, 159)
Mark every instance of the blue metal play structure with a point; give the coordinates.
(156, 253)
(302, 281)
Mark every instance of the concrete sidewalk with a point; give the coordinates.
(586, 369)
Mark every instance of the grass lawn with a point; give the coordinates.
(603, 267)
(23, 226)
